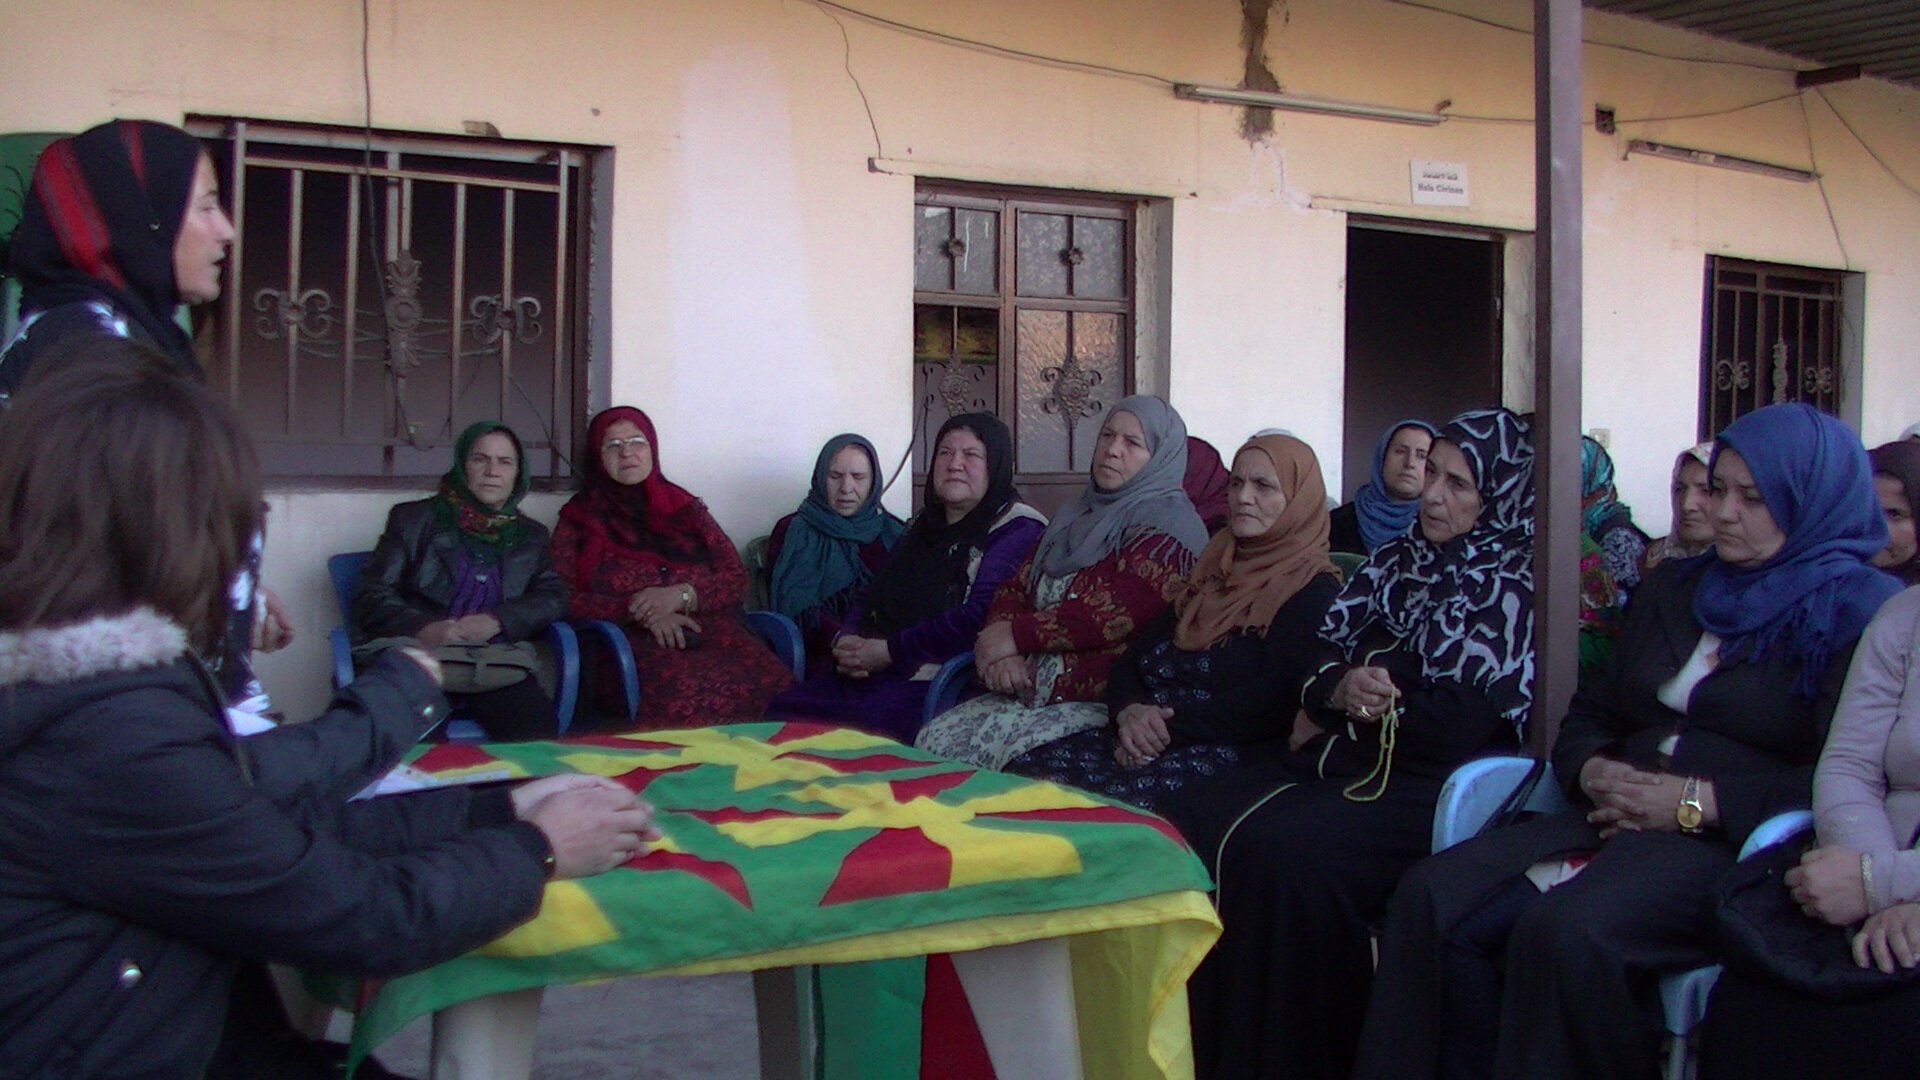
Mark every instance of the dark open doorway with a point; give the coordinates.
(1423, 331)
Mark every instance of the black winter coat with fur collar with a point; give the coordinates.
(144, 850)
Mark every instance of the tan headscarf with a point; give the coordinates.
(1240, 584)
(1669, 546)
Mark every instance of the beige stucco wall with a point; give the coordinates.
(761, 248)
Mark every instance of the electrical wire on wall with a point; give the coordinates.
(406, 426)
(1813, 165)
(1864, 145)
(1004, 51)
(403, 423)
(1527, 31)
(829, 6)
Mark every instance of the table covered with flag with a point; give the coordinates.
(791, 843)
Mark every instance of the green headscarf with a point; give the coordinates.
(820, 557)
(484, 531)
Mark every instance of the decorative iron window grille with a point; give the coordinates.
(1772, 335)
(383, 294)
(1053, 276)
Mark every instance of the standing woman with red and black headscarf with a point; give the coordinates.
(642, 551)
(122, 226)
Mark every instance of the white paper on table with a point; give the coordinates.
(406, 778)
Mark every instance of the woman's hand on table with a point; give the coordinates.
(1364, 693)
(1007, 676)
(592, 829)
(994, 643)
(1828, 887)
(1890, 937)
(649, 606)
(858, 657)
(1142, 735)
(528, 795)
(670, 631)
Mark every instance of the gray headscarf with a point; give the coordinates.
(1095, 524)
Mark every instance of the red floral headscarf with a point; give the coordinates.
(655, 515)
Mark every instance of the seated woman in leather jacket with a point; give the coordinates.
(466, 573)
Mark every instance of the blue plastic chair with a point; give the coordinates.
(1683, 995)
(1479, 788)
(344, 571)
(1346, 562)
(782, 635)
(944, 692)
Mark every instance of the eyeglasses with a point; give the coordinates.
(614, 446)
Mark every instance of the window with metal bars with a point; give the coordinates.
(1772, 335)
(384, 292)
(1024, 308)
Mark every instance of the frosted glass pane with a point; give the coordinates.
(1097, 353)
(1042, 254)
(1042, 438)
(932, 228)
(1101, 271)
(976, 267)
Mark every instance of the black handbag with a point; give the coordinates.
(1764, 934)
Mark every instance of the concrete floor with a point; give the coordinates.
(634, 1029)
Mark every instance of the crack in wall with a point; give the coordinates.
(1255, 17)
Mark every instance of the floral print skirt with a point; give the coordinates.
(993, 729)
(1085, 761)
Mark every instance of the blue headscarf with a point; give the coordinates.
(1815, 596)
(1383, 517)
(820, 556)
(1599, 499)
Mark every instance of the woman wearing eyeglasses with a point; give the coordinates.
(642, 551)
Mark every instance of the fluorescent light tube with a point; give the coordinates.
(1267, 99)
(1719, 161)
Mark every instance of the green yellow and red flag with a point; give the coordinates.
(793, 844)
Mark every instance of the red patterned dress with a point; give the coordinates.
(728, 677)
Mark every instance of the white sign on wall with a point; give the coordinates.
(1439, 183)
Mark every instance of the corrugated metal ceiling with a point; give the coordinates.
(1882, 36)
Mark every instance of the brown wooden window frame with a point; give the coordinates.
(437, 354)
(1074, 390)
(1771, 333)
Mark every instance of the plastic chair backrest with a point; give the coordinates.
(344, 570)
(1684, 994)
(1479, 788)
(782, 635)
(759, 574)
(943, 692)
(1346, 562)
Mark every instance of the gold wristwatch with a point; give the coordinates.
(1690, 813)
